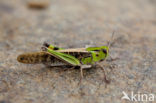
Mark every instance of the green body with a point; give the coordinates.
(96, 54)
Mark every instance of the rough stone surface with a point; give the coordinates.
(71, 24)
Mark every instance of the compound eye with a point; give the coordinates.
(104, 51)
(56, 48)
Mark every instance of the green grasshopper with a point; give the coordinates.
(78, 57)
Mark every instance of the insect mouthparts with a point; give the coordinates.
(46, 44)
(44, 48)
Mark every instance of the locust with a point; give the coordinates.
(81, 58)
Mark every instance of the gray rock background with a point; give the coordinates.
(71, 24)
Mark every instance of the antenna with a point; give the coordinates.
(112, 39)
